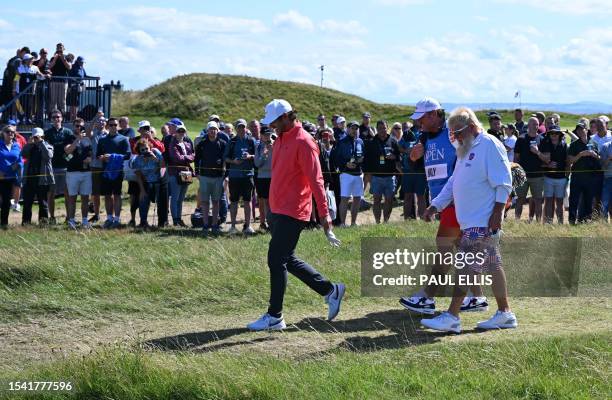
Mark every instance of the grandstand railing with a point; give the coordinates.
(92, 98)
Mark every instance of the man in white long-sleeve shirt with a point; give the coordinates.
(479, 187)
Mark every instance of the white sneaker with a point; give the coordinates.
(471, 304)
(419, 304)
(248, 230)
(267, 323)
(334, 299)
(445, 322)
(501, 320)
(16, 207)
(232, 231)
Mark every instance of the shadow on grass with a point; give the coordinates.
(404, 327)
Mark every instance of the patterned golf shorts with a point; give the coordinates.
(478, 241)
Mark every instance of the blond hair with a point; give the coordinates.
(464, 116)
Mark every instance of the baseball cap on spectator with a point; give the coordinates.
(366, 115)
(340, 120)
(275, 109)
(222, 126)
(494, 115)
(325, 133)
(212, 124)
(27, 57)
(176, 122)
(11, 122)
(310, 128)
(539, 115)
(265, 130)
(604, 118)
(38, 132)
(512, 127)
(240, 122)
(353, 123)
(579, 125)
(181, 127)
(424, 106)
(554, 129)
(80, 59)
(214, 117)
(144, 123)
(35, 56)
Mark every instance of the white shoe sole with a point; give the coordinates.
(490, 328)
(341, 288)
(276, 327)
(453, 330)
(478, 309)
(424, 311)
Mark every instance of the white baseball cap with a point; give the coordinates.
(142, 124)
(340, 120)
(212, 124)
(38, 132)
(275, 109)
(604, 118)
(27, 57)
(424, 106)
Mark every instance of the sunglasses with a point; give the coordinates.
(112, 124)
(458, 131)
(11, 132)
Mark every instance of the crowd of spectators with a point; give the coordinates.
(23, 79)
(232, 166)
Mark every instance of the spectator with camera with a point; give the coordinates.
(112, 150)
(147, 165)
(263, 161)
(38, 176)
(210, 167)
(583, 157)
(60, 67)
(381, 155)
(79, 154)
(348, 155)
(239, 156)
(56, 136)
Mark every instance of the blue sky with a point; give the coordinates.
(394, 51)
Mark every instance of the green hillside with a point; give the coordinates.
(194, 97)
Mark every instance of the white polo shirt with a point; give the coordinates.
(480, 179)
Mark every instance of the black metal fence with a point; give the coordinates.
(75, 97)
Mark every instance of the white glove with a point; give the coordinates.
(332, 239)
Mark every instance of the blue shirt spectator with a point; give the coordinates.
(149, 166)
(347, 149)
(10, 160)
(237, 148)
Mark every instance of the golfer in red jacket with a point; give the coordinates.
(296, 178)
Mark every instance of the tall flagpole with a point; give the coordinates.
(322, 68)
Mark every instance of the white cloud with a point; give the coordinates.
(125, 53)
(293, 20)
(575, 7)
(399, 2)
(351, 27)
(142, 38)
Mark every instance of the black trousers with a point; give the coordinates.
(285, 232)
(6, 194)
(162, 203)
(582, 190)
(32, 190)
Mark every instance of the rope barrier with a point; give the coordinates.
(330, 172)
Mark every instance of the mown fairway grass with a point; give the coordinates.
(160, 315)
